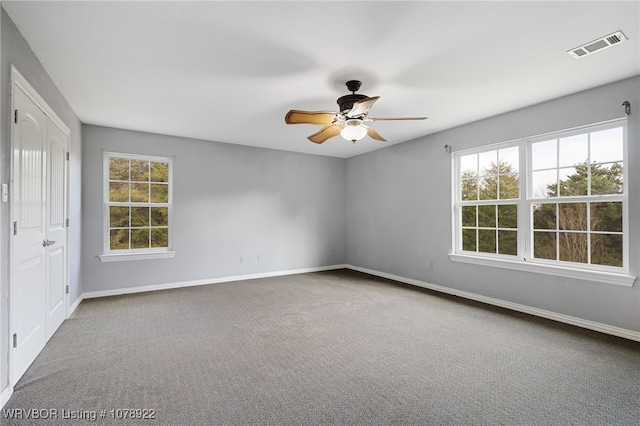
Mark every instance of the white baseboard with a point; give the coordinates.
(5, 395)
(591, 325)
(166, 286)
(75, 305)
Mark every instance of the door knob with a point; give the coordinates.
(46, 243)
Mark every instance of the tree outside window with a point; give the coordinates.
(138, 202)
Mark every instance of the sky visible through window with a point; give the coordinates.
(557, 159)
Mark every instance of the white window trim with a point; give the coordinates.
(134, 254)
(523, 262)
(621, 279)
(117, 257)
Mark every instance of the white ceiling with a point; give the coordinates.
(229, 71)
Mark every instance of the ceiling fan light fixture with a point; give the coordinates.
(353, 130)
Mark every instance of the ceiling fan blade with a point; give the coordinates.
(373, 134)
(309, 117)
(362, 107)
(397, 118)
(328, 131)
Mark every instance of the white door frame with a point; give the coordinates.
(18, 81)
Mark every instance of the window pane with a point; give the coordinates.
(606, 249)
(606, 179)
(574, 150)
(119, 239)
(606, 146)
(544, 245)
(544, 184)
(159, 216)
(118, 192)
(469, 163)
(139, 192)
(159, 237)
(508, 242)
(118, 217)
(159, 172)
(544, 216)
(469, 189)
(118, 169)
(489, 188)
(606, 217)
(140, 238)
(573, 247)
(469, 216)
(159, 193)
(139, 216)
(486, 241)
(572, 216)
(544, 155)
(509, 159)
(573, 181)
(488, 162)
(139, 170)
(508, 216)
(509, 186)
(487, 216)
(469, 239)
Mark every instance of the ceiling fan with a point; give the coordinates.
(349, 122)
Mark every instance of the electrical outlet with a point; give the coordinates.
(430, 266)
(241, 259)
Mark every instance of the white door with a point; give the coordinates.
(38, 274)
(28, 269)
(56, 238)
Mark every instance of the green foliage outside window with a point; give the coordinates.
(594, 226)
(138, 204)
(490, 228)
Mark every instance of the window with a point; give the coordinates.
(556, 204)
(490, 188)
(137, 200)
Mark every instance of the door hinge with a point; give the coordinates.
(67, 155)
(15, 116)
(66, 222)
(15, 340)
(15, 228)
(66, 289)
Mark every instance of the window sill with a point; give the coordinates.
(559, 271)
(118, 257)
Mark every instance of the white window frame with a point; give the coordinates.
(134, 254)
(524, 261)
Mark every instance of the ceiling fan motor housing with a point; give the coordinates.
(346, 102)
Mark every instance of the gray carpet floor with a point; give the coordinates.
(336, 347)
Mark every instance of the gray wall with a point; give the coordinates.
(399, 210)
(229, 201)
(15, 51)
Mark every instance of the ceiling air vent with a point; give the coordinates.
(597, 45)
